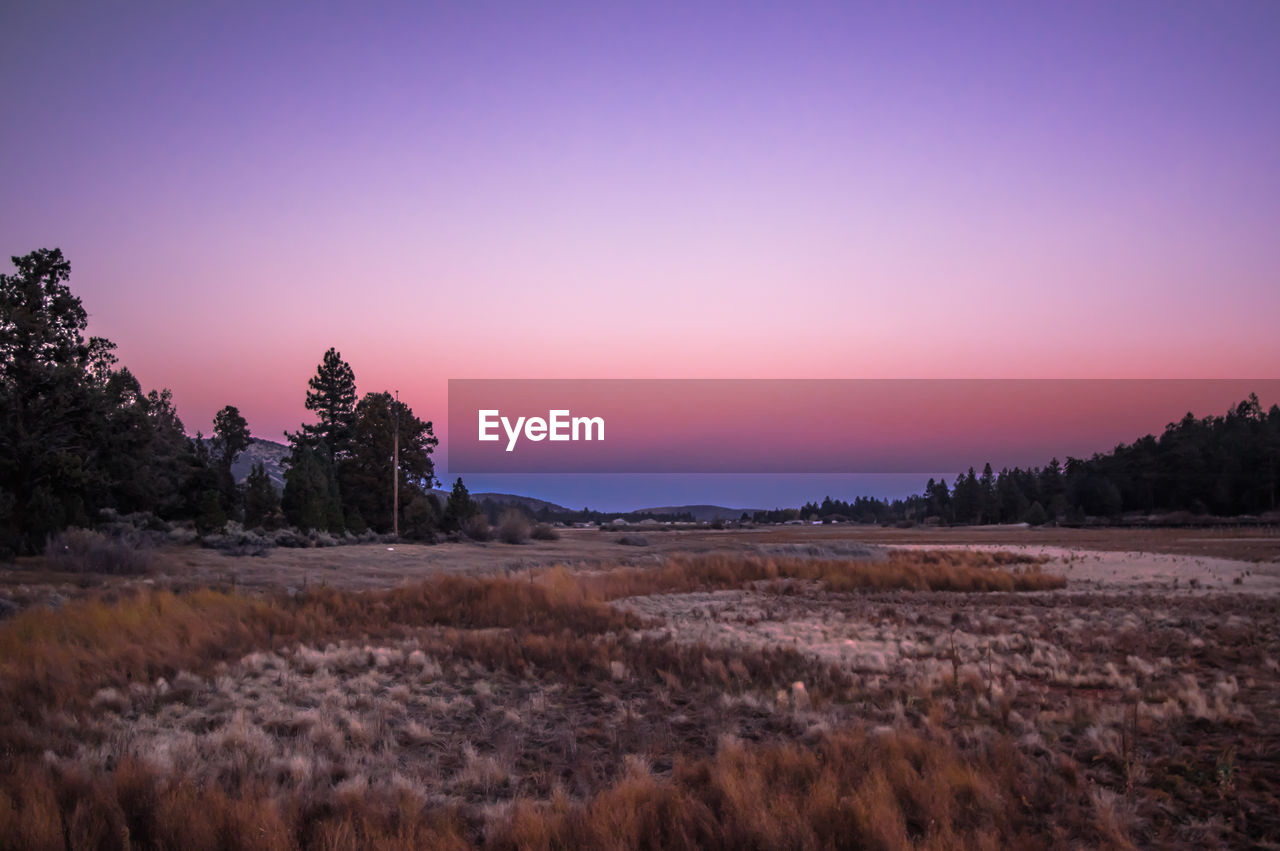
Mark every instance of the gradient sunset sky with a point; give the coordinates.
(512, 190)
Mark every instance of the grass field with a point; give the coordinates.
(797, 687)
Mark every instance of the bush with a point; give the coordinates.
(355, 522)
(633, 541)
(83, 551)
(421, 517)
(513, 528)
(476, 527)
(322, 539)
(210, 517)
(182, 535)
(236, 541)
(289, 537)
(544, 532)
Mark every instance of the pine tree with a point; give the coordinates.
(332, 397)
(460, 508)
(230, 438)
(366, 474)
(988, 505)
(261, 501)
(309, 501)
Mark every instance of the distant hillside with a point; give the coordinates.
(529, 502)
(267, 452)
(271, 454)
(701, 513)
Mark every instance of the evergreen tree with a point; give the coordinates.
(1012, 500)
(230, 438)
(261, 501)
(1036, 515)
(988, 504)
(421, 518)
(331, 395)
(460, 507)
(210, 517)
(1053, 489)
(966, 498)
(77, 434)
(366, 474)
(230, 435)
(310, 500)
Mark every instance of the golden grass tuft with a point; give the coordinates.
(963, 571)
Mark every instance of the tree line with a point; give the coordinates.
(1227, 466)
(80, 436)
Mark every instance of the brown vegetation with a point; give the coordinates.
(85, 551)
(545, 532)
(513, 527)
(703, 701)
(918, 571)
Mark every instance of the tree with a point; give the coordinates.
(1036, 515)
(332, 396)
(43, 384)
(1012, 501)
(230, 438)
(421, 518)
(261, 501)
(988, 504)
(1053, 489)
(210, 517)
(366, 474)
(310, 499)
(460, 507)
(230, 435)
(77, 434)
(966, 498)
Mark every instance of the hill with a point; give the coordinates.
(272, 454)
(267, 452)
(701, 513)
(529, 502)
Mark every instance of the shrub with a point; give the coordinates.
(355, 522)
(322, 539)
(476, 527)
(210, 517)
(633, 541)
(84, 551)
(236, 541)
(421, 517)
(289, 537)
(513, 528)
(544, 532)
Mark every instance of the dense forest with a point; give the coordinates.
(1228, 466)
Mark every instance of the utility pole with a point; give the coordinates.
(395, 471)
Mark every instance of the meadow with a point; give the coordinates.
(797, 688)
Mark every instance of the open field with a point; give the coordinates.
(759, 688)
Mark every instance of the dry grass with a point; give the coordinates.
(919, 571)
(705, 701)
(86, 551)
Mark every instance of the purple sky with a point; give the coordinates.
(656, 190)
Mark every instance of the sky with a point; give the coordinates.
(649, 190)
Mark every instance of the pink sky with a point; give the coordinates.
(471, 191)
